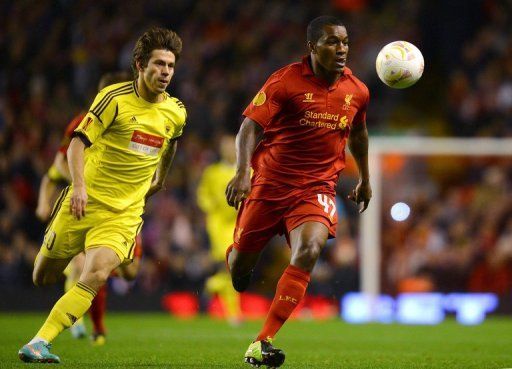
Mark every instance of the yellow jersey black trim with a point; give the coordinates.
(135, 88)
(103, 103)
(132, 247)
(82, 138)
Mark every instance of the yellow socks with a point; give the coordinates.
(70, 281)
(70, 307)
(231, 300)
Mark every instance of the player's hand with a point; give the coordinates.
(78, 202)
(238, 189)
(361, 194)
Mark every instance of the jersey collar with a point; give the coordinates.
(135, 88)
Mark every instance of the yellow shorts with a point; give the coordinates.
(65, 236)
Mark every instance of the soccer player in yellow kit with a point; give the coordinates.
(59, 175)
(121, 153)
(220, 224)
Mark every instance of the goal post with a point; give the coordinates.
(370, 223)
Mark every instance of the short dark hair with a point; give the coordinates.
(316, 26)
(153, 39)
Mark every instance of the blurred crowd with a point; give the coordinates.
(480, 87)
(459, 234)
(54, 52)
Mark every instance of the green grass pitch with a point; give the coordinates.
(159, 341)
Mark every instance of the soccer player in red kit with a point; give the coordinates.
(294, 136)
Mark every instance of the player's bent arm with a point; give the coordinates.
(358, 145)
(46, 191)
(75, 155)
(248, 137)
(61, 163)
(163, 168)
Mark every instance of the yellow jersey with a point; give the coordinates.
(128, 136)
(220, 217)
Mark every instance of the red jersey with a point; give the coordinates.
(306, 124)
(66, 140)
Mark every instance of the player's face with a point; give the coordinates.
(159, 71)
(331, 49)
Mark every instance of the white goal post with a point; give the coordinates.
(370, 221)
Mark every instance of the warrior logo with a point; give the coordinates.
(308, 97)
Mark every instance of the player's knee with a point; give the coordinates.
(95, 278)
(241, 283)
(241, 267)
(239, 270)
(37, 279)
(101, 276)
(307, 254)
(38, 274)
(129, 272)
(241, 276)
(40, 278)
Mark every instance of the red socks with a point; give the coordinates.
(289, 292)
(97, 311)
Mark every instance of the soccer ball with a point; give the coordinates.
(399, 64)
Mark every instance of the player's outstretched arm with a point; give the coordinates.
(78, 198)
(248, 137)
(163, 168)
(358, 145)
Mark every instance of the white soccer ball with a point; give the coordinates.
(399, 64)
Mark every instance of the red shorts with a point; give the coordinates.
(260, 219)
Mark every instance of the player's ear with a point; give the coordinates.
(139, 66)
(311, 47)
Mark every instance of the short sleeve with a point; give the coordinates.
(360, 117)
(268, 102)
(101, 115)
(182, 121)
(179, 130)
